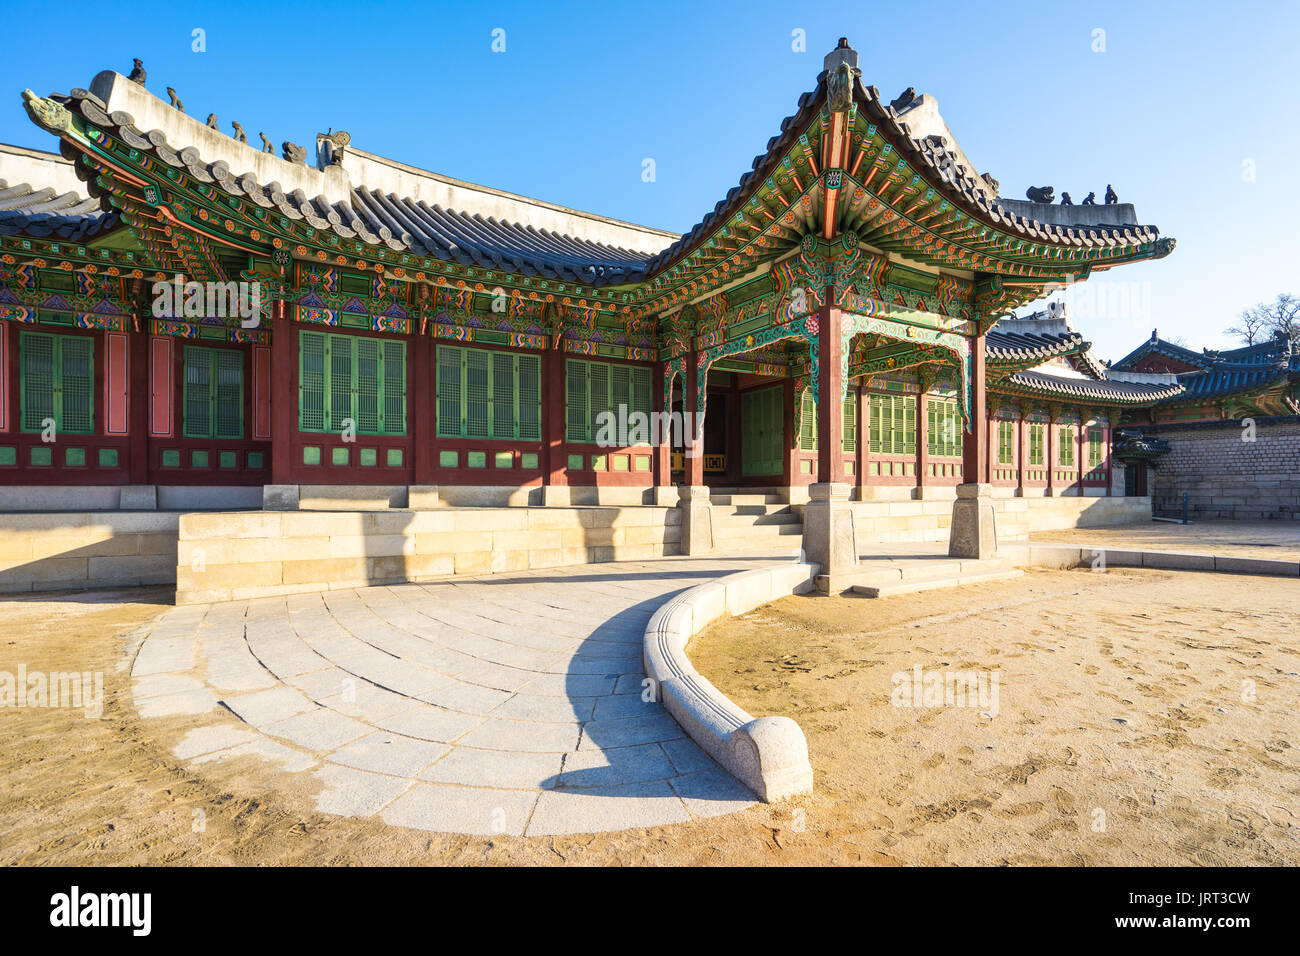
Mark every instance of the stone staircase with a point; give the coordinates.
(754, 520)
(880, 576)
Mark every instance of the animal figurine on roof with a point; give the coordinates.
(903, 100)
(1111, 198)
(293, 152)
(992, 183)
(266, 144)
(1066, 200)
(239, 132)
(176, 100)
(1041, 193)
(1090, 199)
(839, 85)
(137, 72)
(212, 121)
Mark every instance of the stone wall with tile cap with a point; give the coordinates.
(767, 754)
(231, 556)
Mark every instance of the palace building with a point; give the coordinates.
(841, 323)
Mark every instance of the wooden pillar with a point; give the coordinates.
(694, 435)
(735, 426)
(138, 399)
(830, 410)
(663, 441)
(974, 443)
(423, 406)
(284, 405)
(922, 432)
(864, 432)
(1106, 456)
(1049, 452)
(1080, 450)
(790, 448)
(554, 461)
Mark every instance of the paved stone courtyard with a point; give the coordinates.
(508, 704)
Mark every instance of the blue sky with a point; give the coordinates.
(1190, 111)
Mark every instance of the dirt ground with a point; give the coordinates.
(1256, 539)
(1120, 692)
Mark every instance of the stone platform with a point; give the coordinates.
(496, 704)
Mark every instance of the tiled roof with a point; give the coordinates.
(1105, 390)
(487, 242)
(43, 213)
(1031, 346)
(929, 154)
(1232, 378)
(379, 219)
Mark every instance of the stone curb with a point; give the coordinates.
(1066, 556)
(769, 755)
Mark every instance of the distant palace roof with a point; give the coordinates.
(1268, 366)
(40, 196)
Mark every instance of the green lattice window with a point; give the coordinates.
(943, 428)
(1036, 442)
(1065, 446)
(343, 377)
(213, 393)
(1095, 447)
(1006, 443)
(57, 373)
(593, 388)
(808, 423)
(892, 428)
(487, 394)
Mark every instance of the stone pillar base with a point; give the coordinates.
(829, 538)
(422, 497)
(974, 532)
(697, 519)
(556, 496)
(139, 498)
(279, 497)
(666, 496)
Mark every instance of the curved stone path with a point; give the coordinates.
(499, 704)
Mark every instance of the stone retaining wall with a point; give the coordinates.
(234, 556)
(1224, 475)
(74, 550)
(929, 521)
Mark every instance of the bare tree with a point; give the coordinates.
(1267, 319)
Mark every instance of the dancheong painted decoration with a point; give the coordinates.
(844, 314)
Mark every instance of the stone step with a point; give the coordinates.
(753, 510)
(758, 520)
(732, 532)
(876, 573)
(745, 498)
(930, 584)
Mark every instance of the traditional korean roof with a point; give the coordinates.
(1234, 378)
(943, 167)
(1269, 352)
(326, 199)
(1103, 390)
(41, 197)
(1033, 339)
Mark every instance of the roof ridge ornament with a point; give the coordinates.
(841, 66)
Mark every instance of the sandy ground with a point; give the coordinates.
(1120, 691)
(1256, 539)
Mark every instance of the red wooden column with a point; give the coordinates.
(694, 437)
(663, 440)
(1105, 454)
(1022, 449)
(1081, 449)
(423, 405)
(790, 442)
(554, 463)
(975, 443)
(922, 432)
(138, 396)
(830, 410)
(284, 406)
(1049, 453)
(864, 432)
